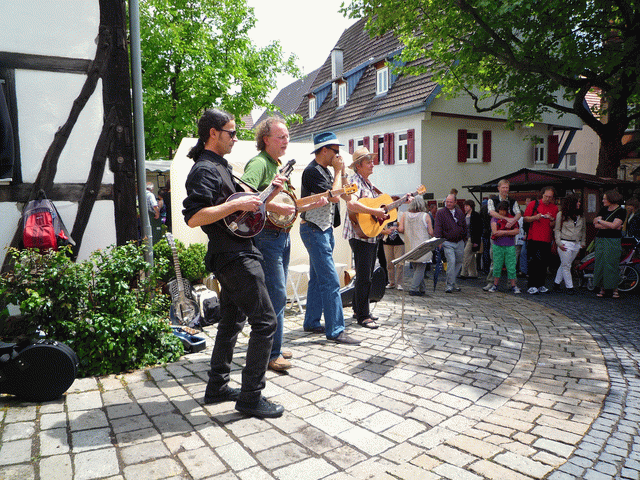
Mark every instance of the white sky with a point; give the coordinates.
(307, 29)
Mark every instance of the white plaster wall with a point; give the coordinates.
(44, 102)
(66, 28)
(510, 151)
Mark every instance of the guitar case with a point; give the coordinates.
(378, 287)
(37, 371)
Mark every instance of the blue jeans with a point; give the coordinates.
(275, 246)
(323, 293)
(454, 253)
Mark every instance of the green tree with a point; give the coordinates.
(197, 54)
(522, 52)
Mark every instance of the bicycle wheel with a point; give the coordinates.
(629, 278)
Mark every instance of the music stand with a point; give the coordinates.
(422, 249)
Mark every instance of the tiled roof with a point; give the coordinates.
(288, 99)
(360, 50)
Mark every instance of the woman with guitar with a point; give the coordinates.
(364, 247)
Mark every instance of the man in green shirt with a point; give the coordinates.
(272, 138)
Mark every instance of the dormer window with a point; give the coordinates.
(342, 94)
(382, 80)
(312, 107)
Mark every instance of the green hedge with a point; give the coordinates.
(107, 308)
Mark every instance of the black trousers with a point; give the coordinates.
(538, 257)
(243, 296)
(364, 258)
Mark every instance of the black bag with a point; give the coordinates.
(42, 227)
(211, 312)
(37, 371)
(378, 287)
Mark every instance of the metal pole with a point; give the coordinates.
(138, 122)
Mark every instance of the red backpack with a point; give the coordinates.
(42, 227)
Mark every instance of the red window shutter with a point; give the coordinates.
(552, 157)
(385, 158)
(462, 146)
(365, 143)
(411, 146)
(351, 146)
(392, 152)
(376, 159)
(486, 146)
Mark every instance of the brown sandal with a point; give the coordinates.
(369, 323)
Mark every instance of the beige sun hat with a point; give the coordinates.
(360, 154)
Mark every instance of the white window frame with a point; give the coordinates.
(401, 147)
(382, 80)
(540, 152)
(342, 94)
(312, 107)
(474, 146)
(572, 160)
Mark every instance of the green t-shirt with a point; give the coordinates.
(260, 171)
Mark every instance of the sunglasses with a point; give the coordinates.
(334, 150)
(232, 133)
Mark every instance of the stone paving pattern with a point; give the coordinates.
(465, 386)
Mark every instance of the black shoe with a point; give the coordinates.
(346, 339)
(456, 289)
(570, 291)
(263, 408)
(416, 294)
(227, 394)
(319, 329)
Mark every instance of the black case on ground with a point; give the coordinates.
(37, 371)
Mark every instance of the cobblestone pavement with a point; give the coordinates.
(471, 385)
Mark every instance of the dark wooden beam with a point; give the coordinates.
(68, 192)
(116, 94)
(24, 61)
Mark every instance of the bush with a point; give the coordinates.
(107, 309)
(191, 260)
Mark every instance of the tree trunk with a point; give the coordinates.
(611, 152)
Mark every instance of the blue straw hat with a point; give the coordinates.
(324, 139)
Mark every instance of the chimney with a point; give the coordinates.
(337, 56)
(336, 62)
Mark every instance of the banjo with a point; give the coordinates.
(285, 221)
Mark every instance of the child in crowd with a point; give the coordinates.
(504, 248)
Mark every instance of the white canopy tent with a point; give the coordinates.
(242, 152)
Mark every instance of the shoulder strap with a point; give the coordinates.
(612, 213)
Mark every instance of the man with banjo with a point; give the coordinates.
(236, 264)
(272, 138)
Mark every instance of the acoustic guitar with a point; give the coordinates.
(369, 225)
(184, 310)
(285, 221)
(249, 224)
